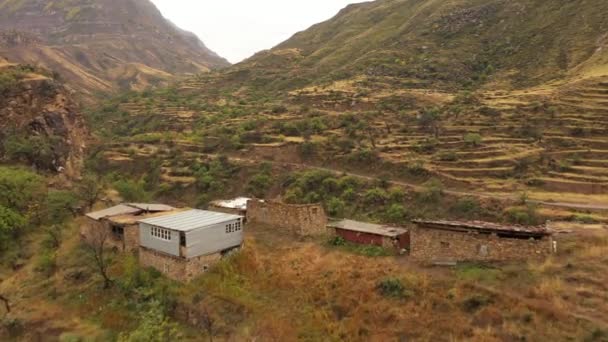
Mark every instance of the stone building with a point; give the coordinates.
(186, 244)
(118, 226)
(305, 220)
(454, 241)
(372, 234)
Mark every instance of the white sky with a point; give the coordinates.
(236, 29)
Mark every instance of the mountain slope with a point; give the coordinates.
(101, 45)
(40, 124)
(442, 43)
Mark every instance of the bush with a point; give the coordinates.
(60, 206)
(391, 287)
(474, 303)
(376, 196)
(526, 215)
(337, 241)
(472, 139)
(468, 207)
(335, 206)
(396, 213)
(448, 156)
(433, 191)
(11, 223)
(132, 191)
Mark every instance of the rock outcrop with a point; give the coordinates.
(40, 124)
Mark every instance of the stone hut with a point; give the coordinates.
(118, 225)
(454, 241)
(186, 244)
(304, 220)
(372, 234)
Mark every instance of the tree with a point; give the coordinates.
(430, 120)
(10, 223)
(60, 205)
(472, 139)
(89, 190)
(95, 245)
(20, 189)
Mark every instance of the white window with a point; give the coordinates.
(160, 233)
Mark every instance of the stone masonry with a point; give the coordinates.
(430, 245)
(305, 220)
(176, 268)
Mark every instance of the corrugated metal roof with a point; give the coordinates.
(237, 203)
(370, 228)
(120, 209)
(151, 207)
(189, 220)
(486, 226)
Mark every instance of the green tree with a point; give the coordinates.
(60, 206)
(11, 223)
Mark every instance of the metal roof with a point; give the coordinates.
(369, 228)
(486, 227)
(189, 220)
(120, 209)
(151, 207)
(237, 203)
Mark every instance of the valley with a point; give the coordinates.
(391, 111)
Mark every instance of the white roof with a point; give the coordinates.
(237, 203)
(189, 220)
(120, 209)
(370, 228)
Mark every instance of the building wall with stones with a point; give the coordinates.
(93, 230)
(305, 220)
(429, 245)
(176, 268)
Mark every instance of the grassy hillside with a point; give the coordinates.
(448, 44)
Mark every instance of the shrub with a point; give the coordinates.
(474, 303)
(376, 196)
(468, 207)
(391, 287)
(11, 222)
(526, 215)
(433, 190)
(396, 213)
(132, 191)
(337, 241)
(472, 139)
(448, 156)
(60, 206)
(335, 206)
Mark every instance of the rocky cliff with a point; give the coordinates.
(101, 45)
(40, 124)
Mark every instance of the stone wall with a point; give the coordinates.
(179, 269)
(305, 220)
(94, 230)
(429, 245)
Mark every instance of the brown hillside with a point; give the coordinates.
(102, 45)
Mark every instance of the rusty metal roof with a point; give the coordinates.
(128, 209)
(369, 228)
(486, 227)
(120, 209)
(151, 207)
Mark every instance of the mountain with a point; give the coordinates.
(441, 43)
(40, 124)
(101, 45)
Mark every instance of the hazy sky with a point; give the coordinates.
(236, 29)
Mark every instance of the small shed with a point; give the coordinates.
(118, 225)
(236, 206)
(441, 241)
(372, 234)
(186, 244)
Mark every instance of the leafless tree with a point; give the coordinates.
(96, 246)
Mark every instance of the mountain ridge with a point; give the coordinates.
(88, 42)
